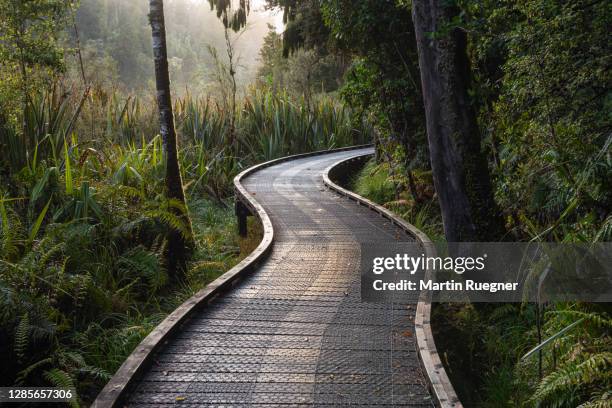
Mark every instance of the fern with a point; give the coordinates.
(22, 339)
(605, 232)
(61, 379)
(41, 328)
(7, 302)
(23, 375)
(561, 387)
(95, 372)
(503, 311)
(602, 403)
(70, 359)
(10, 232)
(600, 400)
(131, 192)
(138, 262)
(48, 255)
(82, 283)
(173, 221)
(599, 320)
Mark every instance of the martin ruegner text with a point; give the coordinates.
(468, 285)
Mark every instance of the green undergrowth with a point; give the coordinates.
(78, 296)
(377, 183)
(482, 345)
(84, 217)
(488, 366)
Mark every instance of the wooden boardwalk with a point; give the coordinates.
(294, 332)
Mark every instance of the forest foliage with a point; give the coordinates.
(541, 89)
(83, 210)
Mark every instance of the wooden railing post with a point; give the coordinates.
(242, 212)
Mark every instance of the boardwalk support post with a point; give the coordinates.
(242, 212)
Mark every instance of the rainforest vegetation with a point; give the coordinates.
(123, 123)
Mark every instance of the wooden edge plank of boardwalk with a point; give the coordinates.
(272, 333)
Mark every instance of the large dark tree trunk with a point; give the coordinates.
(178, 244)
(460, 169)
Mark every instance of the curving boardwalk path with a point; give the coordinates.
(294, 333)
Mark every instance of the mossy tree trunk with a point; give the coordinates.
(178, 244)
(460, 170)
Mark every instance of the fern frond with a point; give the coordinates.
(605, 232)
(503, 311)
(600, 400)
(49, 254)
(131, 192)
(173, 221)
(41, 328)
(599, 320)
(81, 288)
(559, 388)
(23, 374)
(61, 379)
(7, 301)
(71, 359)
(602, 403)
(10, 232)
(22, 339)
(138, 262)
(95, 372)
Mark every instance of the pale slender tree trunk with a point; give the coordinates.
(460, 170)
(178, 246)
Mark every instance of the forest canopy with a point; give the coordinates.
(115, 40)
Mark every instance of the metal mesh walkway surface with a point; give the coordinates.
(295, 333)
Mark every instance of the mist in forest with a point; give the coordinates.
(116, 43)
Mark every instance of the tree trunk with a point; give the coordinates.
(178, 244)
(460, 170)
